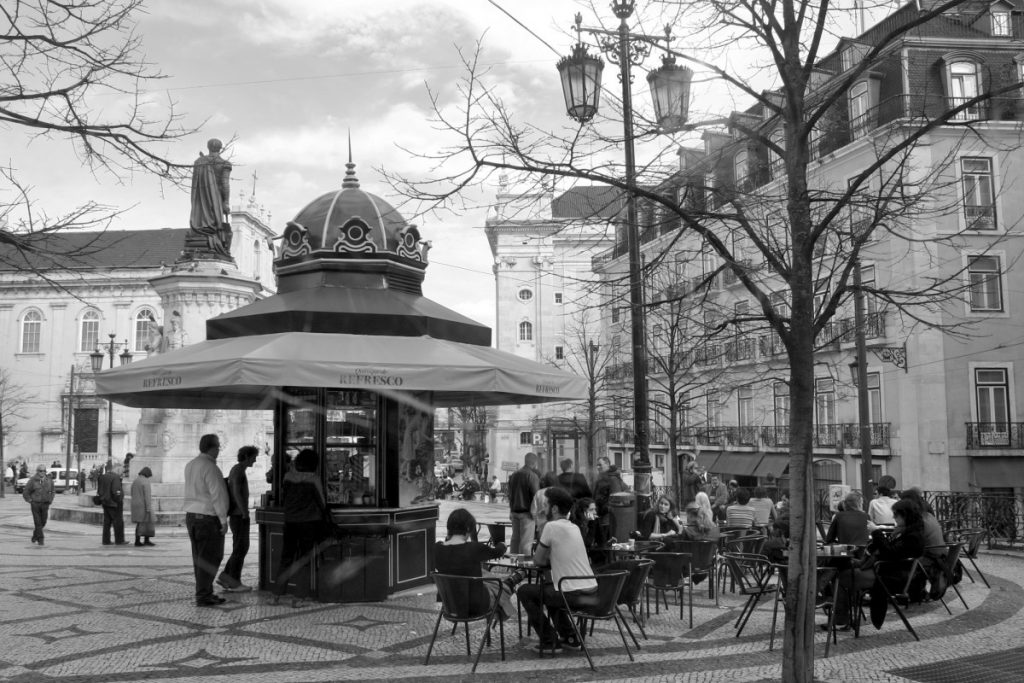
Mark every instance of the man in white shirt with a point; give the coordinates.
(561, 547)
(206, 517)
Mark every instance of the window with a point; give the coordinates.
(745, 406)
(984, 283)
(525, 438)
(714, 410)
(659, 461)
(525, 331)
(827, 472)
(859, 208)
(780, 391)
(86, 430)
(615, 314)
(824, 401)
(145, 329)
(1001, 23)
(979, 193)
(740, 169)
(558, 298)
(559, 353)
(867, 279)
(874, 397)
(780, 303)
(814, 142)
(525, 294)
(859, 105)
(31, 331)
(256, 259)
(776, 163)
(963, 87)
(709, 191)
(992, 393)
(90, 332)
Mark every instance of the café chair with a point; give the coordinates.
(465, 599)
(749, 544)
(703, 555)
(669, 574)
(825, 601)
(752, 575)
(972, 539)
(602, 606)
(947, 565)
(892, 567)
(638, 569)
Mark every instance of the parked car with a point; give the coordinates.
(19, 486)
(63, 479)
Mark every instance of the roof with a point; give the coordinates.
(106, 249)
(588, 201)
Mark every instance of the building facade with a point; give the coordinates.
(54, 323)
(941, 379)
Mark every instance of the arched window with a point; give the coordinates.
(90, 336)
(145, 328)
(31, 332)
(963, 86)
(256, 259)
(525, 331)
(827, 472)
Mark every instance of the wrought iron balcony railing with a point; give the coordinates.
(985, 435)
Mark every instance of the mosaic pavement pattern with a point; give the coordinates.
(75, 611)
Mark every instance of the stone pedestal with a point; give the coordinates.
(191, 293)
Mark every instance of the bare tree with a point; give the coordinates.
(789, 234)
(472, 423)
(13, 398)
(59, 59)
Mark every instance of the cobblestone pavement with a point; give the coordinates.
(75, 611)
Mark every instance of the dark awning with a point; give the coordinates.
(706, 460)
(739, 464)
(774, 463)
(998, 472)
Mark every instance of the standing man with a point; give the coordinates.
(238, 519)
(206, 517)
(39, 494)
(691, 481)
(561, 547)
(111, 495)
(522, 487)
(573, 482)
(609, 481)
(719, 496)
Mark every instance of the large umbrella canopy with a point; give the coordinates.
(248, 372)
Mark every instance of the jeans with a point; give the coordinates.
(40, 513)
(113, 516)
(535, 597)
(301, 541)
(523, 529)
(239, 546)
(207, 538)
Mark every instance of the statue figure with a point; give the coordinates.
(209, 228)
(176, 336)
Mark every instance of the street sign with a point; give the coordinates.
(509, 467)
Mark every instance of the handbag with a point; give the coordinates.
(147, 528)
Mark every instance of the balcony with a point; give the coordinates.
(740, 349)
(827, 436)
(989, 435)
(844, 331)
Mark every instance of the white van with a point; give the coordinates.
(63, 479)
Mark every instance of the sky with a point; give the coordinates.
(287, 81)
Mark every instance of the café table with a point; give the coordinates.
(839, 557)
(513, 563)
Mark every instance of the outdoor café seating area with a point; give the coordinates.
(691, 589)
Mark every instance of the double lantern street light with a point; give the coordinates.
(670, 84)
(96, 360)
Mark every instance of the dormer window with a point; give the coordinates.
(860, 104)
(776, 164)
(963, 81)
(740, 169)
(1001, 23)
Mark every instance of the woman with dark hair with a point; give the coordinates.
(460, 553)
(306, 521)
(659, 523)
(906, 543)
(584, 516)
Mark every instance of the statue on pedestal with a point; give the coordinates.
(209, 227)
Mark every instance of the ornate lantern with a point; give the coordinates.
(670, 88)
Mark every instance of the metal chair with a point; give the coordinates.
(972, 539)
(465, 599)
(947, 565)
(668, 575)
(752, 574)
(703, 556)
(888, 569)
(630, 594)
(825, 601)
(603, 606)
(747, 544)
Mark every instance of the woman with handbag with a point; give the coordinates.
(142, 508)
(306, 520)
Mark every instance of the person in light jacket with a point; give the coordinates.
(142, 508)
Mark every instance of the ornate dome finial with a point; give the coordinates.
(351, 182)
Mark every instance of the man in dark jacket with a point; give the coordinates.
(609, 481)
(573, 482)
(522, 487)
(39, 494)
(230, 578)
(111, 495)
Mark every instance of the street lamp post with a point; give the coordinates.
(96, 359)
(581, 85)
(859, 370)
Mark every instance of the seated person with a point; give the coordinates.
(700, 521)
(584, 516)
(739, 514)
(851, 525)
(907, 543)
(880, 509)
(935, 546)
(764, 508)
(560, 548)
(460, 553)
(659, 523)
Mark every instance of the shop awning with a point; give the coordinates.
(247, 372)
(998, 472)
(739, 464)
(706, 460)
(774, 463)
